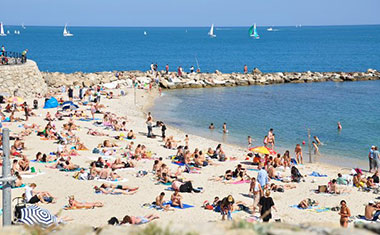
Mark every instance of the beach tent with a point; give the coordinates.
(51, 103)
(69, 105)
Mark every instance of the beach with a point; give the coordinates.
(62, 184)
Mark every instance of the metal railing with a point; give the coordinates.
(11, 57)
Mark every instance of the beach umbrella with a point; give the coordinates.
(15, 99)
(263, 150)
(34, 215)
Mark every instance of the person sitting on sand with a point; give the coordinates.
(33, 197)
(46, 158)
(131, 135)
(375, 177)
(306, 203)
(176, 199)
(48, 117)
(159, 202)
(358, 181)
(137, 220)
(372, 211)
(341, 180)
(24, 163)
(295, 174)
(18, 182)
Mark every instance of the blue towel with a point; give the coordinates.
(185, 206)
(316, 174)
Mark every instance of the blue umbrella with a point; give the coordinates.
(34, 215)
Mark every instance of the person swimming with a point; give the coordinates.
(211, 126)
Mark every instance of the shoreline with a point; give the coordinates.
(327, 159)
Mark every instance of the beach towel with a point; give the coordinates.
(316, 209)
(241, 182)
(73, 170)
(316, 174)
(252, 169)
(178, 163)
(112, 181)
(113, 193)
(89, 119)
(185, 206)
(43, 162)
(21, 186)
(33, 175)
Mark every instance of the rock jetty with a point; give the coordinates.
(205, 80)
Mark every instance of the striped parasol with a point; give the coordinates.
(34, 215)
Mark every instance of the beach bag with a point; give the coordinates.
(322, 188)
(95, 150)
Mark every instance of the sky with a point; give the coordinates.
(189, 12)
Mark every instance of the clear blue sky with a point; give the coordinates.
(189, 12)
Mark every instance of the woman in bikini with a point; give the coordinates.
(73, 204)
(344, 213)
(137, 220)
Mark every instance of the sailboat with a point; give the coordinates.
(211, 33)
(66, 33)
(23, 26)
(145, 33)
(253, 32)
(8, 32)
(270, 29)
(2, 34)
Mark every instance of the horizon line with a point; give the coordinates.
(195, 26)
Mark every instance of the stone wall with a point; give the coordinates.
(22, 80)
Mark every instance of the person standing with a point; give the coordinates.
(262, 176)
(225, 131)
(339, 126)
(149, 124)
(3, 50)
(344, 213)
(26, 110)
(256, 192)
(179, 71)
(163, 130)
(372, 160)
(192, 69)
(376, 156)
(249, 141)
(266, 204)
(298, 151)
(23, 56)
(167, 69)
(245, 69)
(70, 93)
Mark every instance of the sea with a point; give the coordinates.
(290, 109)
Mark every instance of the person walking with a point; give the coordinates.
(150, 127)
(23, 56)
(266, 204)
(344, 213)
(376, 156)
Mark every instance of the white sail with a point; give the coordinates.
(67, 33)
(211, 33)
(2, 34)
(145, 33)
(23, 26)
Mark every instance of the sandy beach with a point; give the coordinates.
(62, 184)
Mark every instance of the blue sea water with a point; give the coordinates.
(290, 109)
(332, 48)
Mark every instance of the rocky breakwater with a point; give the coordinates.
(203, 80)
(22, 79)
(218, 79)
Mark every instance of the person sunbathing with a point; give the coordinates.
(118, 164)
(227, 176)
(358, 181)
(307, 203)
(96, 133)
(176, 199)
(19, 145)
(108, 144)
(281, 188)
(370, 183)
(115, 189)
(137, 220)
(372, 211)
(14, 152)
(184, 187)
(73, 204)
(79, 145)
(50, 158)
(105, 173)
(33, 197)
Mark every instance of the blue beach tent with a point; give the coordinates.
(51, 103)
(69, 105)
